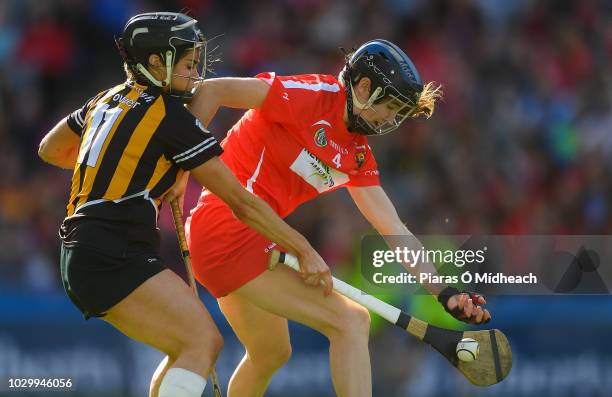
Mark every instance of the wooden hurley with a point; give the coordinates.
(494, 360)
(180, 234)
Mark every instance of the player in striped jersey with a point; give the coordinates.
(127, 147)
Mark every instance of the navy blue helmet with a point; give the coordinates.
(393, 77)
(167, 34)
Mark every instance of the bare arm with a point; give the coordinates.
(243, 93)
(377, 208)
(256, 213)
(60, 146)
(233, 92)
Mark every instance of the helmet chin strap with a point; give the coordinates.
(368, 104)
(352, 102)
(153, 80)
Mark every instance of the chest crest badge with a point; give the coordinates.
(320, 137)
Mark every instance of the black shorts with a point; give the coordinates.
(96, 281)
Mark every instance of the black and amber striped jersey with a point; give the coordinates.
(134, 139)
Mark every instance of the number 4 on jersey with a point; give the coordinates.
(336, 160)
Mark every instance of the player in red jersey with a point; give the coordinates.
(304, 136)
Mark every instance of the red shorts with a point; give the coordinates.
(226, 253)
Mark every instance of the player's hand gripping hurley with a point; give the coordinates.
(493, 363)
(180, 233)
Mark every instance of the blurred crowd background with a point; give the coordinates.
(520, 144)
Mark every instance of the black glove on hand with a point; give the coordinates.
(458, 312)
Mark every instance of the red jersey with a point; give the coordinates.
(289, 151)
(297, 145)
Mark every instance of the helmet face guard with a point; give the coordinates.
(401, 107)
(198, 61)
(395, 82)
(169, 35)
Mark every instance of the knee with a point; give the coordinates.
(212, 342)
(206, 343)
(360, 321)
(269, 360)
(354, 322)
(280, 356)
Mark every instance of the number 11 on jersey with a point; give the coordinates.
(103, 120)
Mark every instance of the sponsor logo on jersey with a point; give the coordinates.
(148, 98)
(316, 173)
(338, 148)
(126, 101)
(320, 137)
(142, 94)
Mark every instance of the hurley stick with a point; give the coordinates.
(180, 233)
(494, 360)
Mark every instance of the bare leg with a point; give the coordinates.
(164, 314)
(265, 337)
(343, 322)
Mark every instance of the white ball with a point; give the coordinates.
(468, 349)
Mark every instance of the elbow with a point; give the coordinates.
(57, 158)
(243, 212)
(204, 101)
(43, 152)
(244, 208)
(47, 155)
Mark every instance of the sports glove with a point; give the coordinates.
(458, 312)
